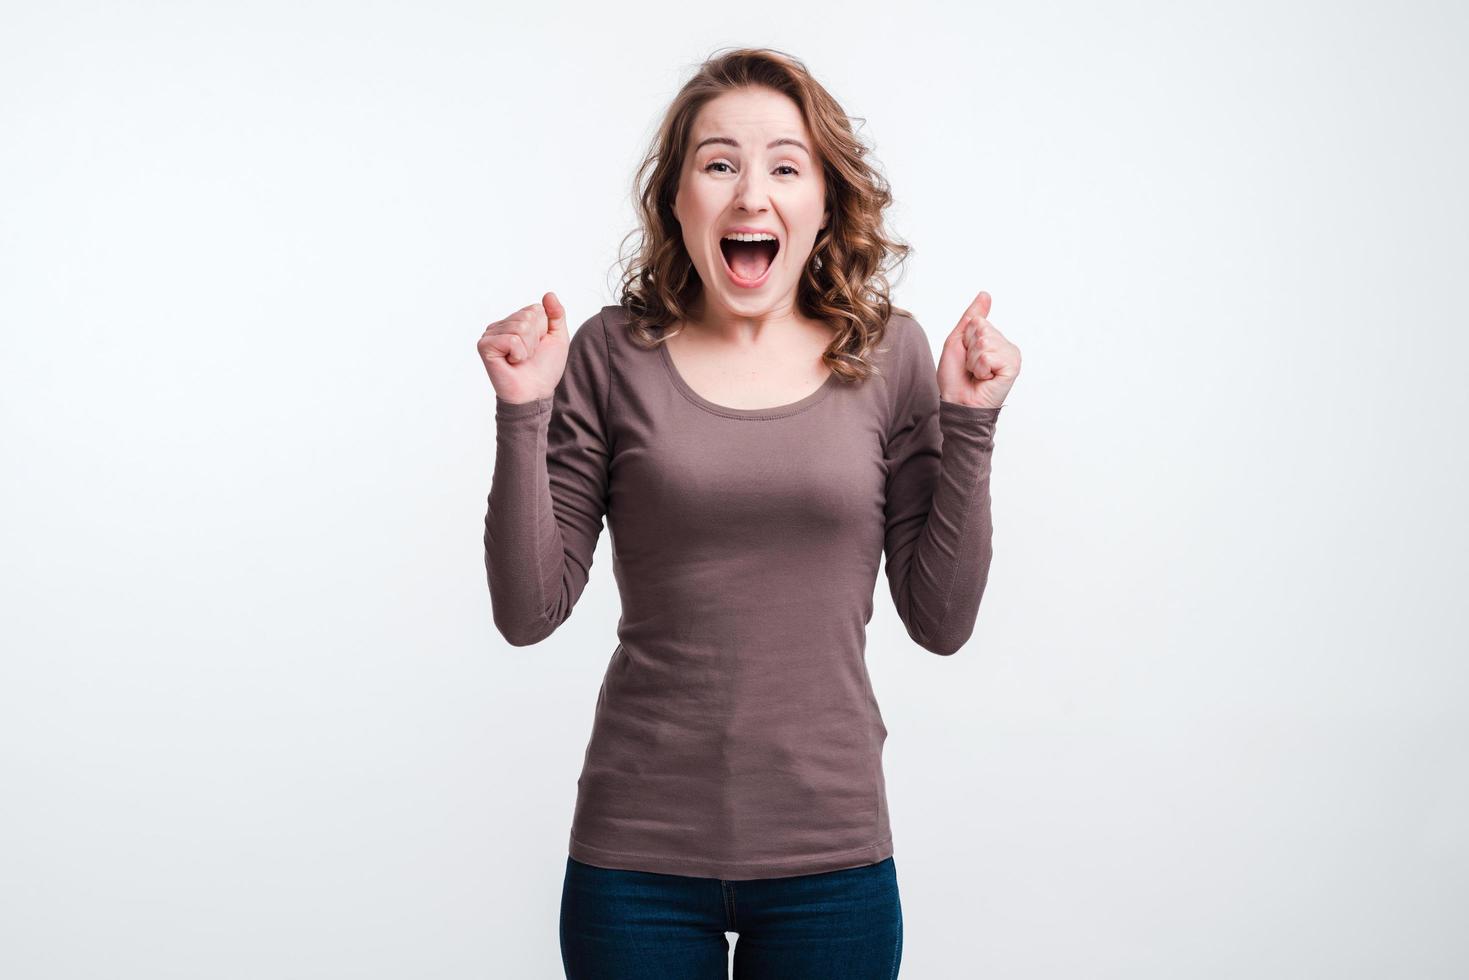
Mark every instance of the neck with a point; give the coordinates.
(717, 321)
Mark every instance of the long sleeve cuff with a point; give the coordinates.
(968, 427)
(516, 410)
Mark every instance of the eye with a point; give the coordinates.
(784, 166)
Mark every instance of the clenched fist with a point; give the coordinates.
(525, 353)
(978, 365)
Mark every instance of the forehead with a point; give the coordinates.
(753, 117)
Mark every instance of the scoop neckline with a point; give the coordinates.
(773, 412)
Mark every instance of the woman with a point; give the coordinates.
(758, 424)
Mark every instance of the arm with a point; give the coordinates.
(548, 494)
(938, 528)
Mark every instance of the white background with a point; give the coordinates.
(255, 720)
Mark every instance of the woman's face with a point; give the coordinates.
(750, 165)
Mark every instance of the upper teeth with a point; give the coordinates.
(751, 236)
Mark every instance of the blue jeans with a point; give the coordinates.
(639, 925)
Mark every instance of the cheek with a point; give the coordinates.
(807, 214)
(693, 214)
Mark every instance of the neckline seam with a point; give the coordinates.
(742, 415)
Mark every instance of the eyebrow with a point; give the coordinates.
(728, 141)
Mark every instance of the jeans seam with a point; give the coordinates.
(727, 890)
(897, 946)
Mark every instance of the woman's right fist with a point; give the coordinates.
(525, 353)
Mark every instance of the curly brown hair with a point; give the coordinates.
(845, 282)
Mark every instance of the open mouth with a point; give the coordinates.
(748, 263)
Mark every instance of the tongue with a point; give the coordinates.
(749, 260)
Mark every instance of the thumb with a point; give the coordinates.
(555, 314)
(984, 303)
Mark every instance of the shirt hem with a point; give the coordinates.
(732, 870)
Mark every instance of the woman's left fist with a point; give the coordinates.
(977, 365)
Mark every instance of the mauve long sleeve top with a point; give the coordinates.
(736, 734)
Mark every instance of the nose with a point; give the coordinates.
(750, 193)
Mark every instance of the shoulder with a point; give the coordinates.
(909, 369)
(588, 361)
(909, 329)
(589, 341)
(904, 346)
(614, 322)
(592, 329)
(611, 327)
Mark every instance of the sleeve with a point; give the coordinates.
(937, 511)
(548, 493)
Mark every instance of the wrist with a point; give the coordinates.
(967, 403)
